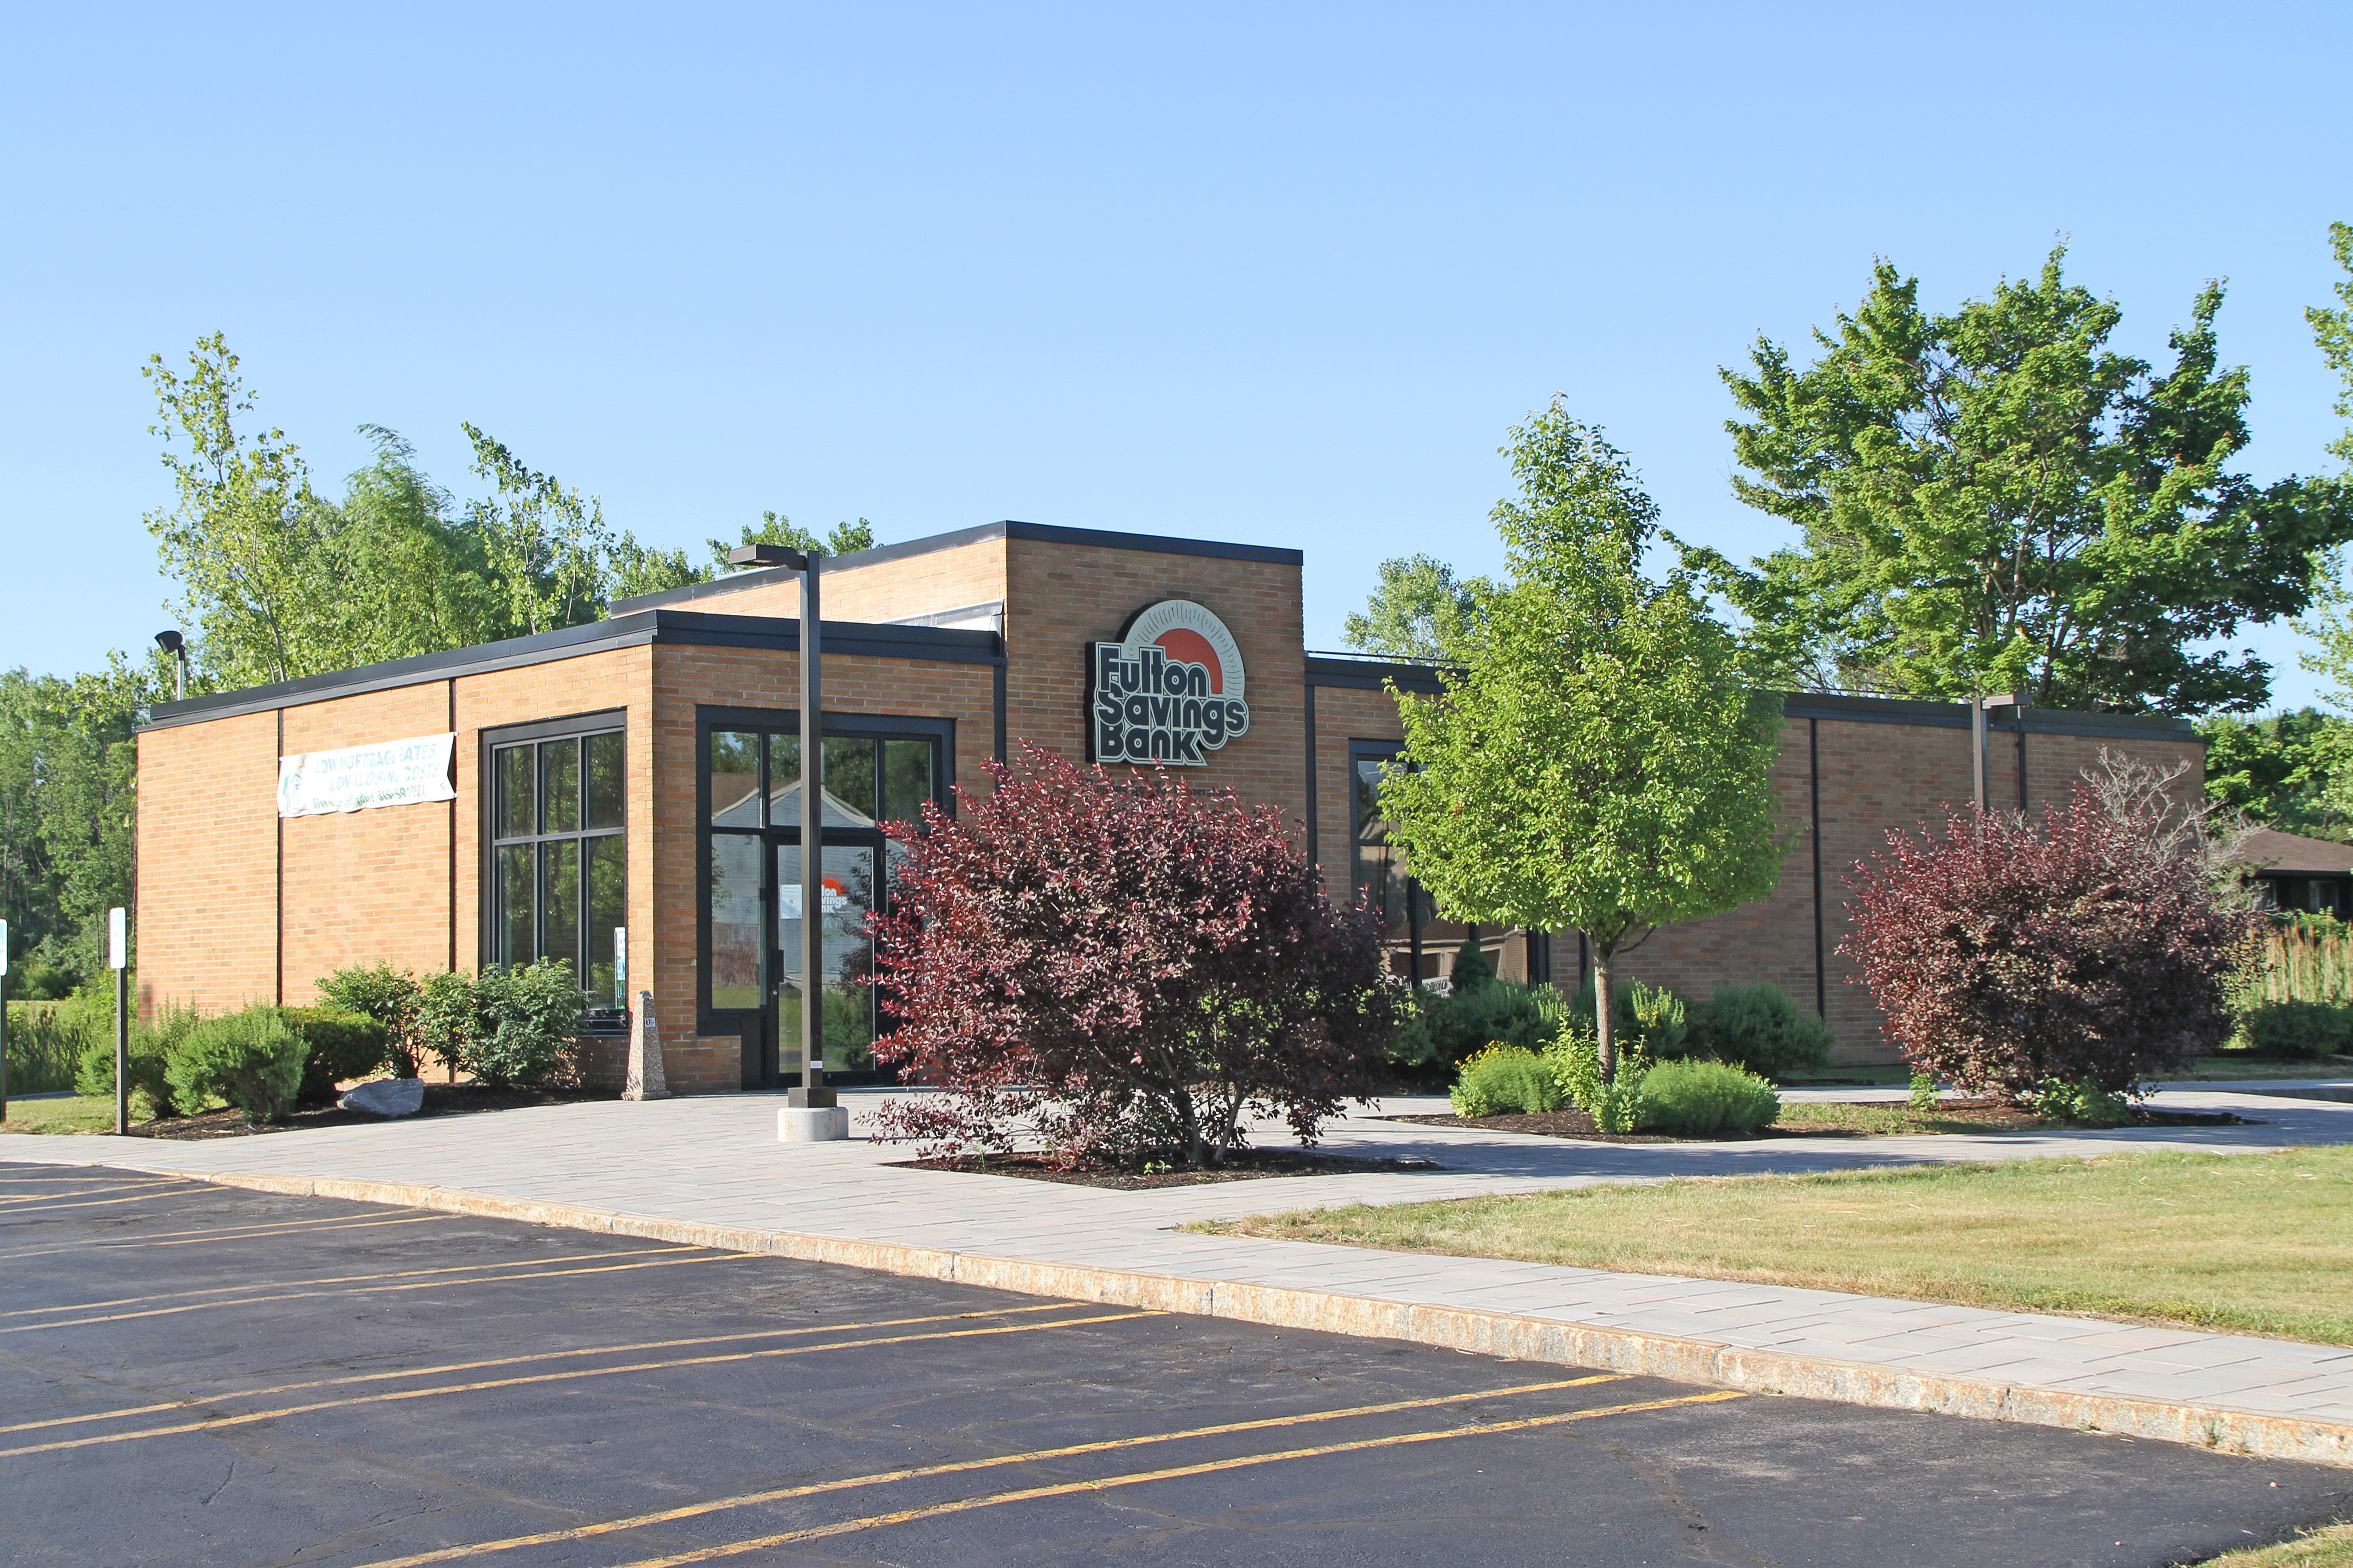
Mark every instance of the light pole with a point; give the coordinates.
(118, 958)
(1978, 708)
(176, 645)
(813, 1092)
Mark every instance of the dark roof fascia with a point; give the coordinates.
(1159, 545)
(1955, 716)
(684, 628)
(1373, 675)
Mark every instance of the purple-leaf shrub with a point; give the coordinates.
(1122, 967)
(2007, 953)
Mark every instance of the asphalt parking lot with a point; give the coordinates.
(191, 1375)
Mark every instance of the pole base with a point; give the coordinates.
(818, 1096)
(812, 1124)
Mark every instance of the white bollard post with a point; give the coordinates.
(645, 1055)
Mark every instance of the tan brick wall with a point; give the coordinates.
(919, 584)
(1061, 598)
(366, 886)
(207, 894)
(1343, 714)
(687, 678)
(1875, 778)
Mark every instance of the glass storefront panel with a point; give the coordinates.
(559, 903)
(734, 779)
(608, 789)
(559, 786)
(608, 908)
(906, 780)
(518, 926)
(516, 792)
(734, 922)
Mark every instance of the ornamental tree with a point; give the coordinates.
(1123, 967)
(1598, 761)
(2093, 945)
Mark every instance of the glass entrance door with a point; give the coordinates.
(849, 897)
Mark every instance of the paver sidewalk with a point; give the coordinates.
(710, 1169)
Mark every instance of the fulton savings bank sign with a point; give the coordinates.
(1169, 691)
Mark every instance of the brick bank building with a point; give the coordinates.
(625, 794)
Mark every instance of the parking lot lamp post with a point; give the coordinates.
(118, 958)
(813, 1091)
(3, 1020)
(176, 645)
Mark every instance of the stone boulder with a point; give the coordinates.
(386, 1097)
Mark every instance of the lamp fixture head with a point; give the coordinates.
(173, 644)
(767, 555)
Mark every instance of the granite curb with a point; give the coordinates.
(1514, 1335)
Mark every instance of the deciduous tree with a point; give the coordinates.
(1994, 499)
(1598, 761)
(1418, 611)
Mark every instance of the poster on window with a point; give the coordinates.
(356, 778)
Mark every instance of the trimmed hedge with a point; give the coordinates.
(2299, 1030)
(251, 1059)
(343, 1046)
(1760, 1028)
(1506, 1079)
(1696, 1098)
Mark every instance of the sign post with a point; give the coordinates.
(118, 958)
(3, 1020)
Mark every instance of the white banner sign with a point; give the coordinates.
(391, 772)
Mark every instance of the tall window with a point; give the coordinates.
(879, 770)
(1374, 864)
(560, 858)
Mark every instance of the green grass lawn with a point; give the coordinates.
(83, 1113)
(2253, 1243)
(1887, 1118)
(2329, 1548)
(2243, 1063)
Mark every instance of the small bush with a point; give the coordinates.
(526, 1019)
(1924, 1099)
(391, 998)
(2083, 1100)
(1574, 1060)
(2298, 1029)
(1647, 1021)
(1697, 1098)
(1760, 1028)
(251, 1059)
(41, 983)
(1506, 1079)
(150, 1050)
(343, 1046)
(1446, 1030)
(447, 1016)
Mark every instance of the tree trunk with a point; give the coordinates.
(1604, 1031)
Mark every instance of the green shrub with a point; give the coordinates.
(1696, 1098)
(38, 982)
(392, 998)
(2298, 1029)
(1760, 1028)
(1471, 969)
(44, 1048)
(527, 1020)
(2083, 1100)
(251, 1059)
(446, 1016)
(150, 1050)
(343, 1046)
(1924, 1099)
(1506, 1079)
(1444, 1030)
(1647, 1021)
(1574, 1060)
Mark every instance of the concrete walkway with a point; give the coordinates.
(710, 1170)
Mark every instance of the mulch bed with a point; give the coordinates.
(1994, 1115)
(440, 1100)
(1241, 1166)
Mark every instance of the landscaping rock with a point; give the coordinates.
(386, 1097)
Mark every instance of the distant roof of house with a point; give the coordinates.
(2293, 855)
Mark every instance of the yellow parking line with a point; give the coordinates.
(91, 1204)
(86, 1192)
(1139, 1478)
(518, 1361)
(335, 1280)
(256, 1230)
(397, 1395)
(385, 1290)
(880, 1478)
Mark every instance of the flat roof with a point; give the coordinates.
(1102, 539)
(671, 627)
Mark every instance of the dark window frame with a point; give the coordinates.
(489, 743)
(940, 732)
(1359, 753)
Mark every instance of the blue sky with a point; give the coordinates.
(1282, 275)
